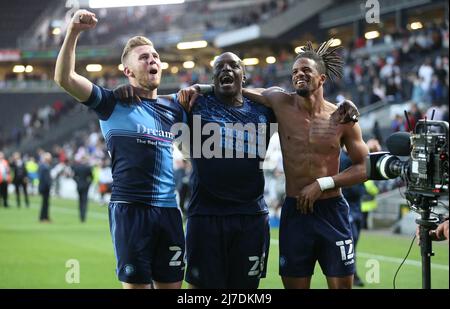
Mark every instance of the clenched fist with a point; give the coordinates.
(82, 20)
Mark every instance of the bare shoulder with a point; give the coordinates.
(275, 91)
(278, 94)
(330, 108)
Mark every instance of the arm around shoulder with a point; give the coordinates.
(258, 95)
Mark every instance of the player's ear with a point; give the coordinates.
(323, 78)
(128, 72)
(244, 80)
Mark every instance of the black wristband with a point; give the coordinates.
(205, 89)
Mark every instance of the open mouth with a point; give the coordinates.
(301, 82)
(226, 80)
(153, 71)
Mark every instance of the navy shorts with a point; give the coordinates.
(324, 236)
(227, 251)
(148, 243)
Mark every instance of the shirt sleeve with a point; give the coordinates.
(183, 114)
(101, 101)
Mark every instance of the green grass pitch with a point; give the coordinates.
(34, 255)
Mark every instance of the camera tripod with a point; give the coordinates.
(423, 205)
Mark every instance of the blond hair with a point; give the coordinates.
(133, 43)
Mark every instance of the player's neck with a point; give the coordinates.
(313, 104)
(235, 100)
(144, 92)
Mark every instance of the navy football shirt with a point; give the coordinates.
(221, 185)
(139, 142)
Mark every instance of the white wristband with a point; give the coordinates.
(325, 183)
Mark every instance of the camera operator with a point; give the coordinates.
(439, 234)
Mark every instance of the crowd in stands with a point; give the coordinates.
(196, 16)
(417, 70)
(36, 123)
(260, 13)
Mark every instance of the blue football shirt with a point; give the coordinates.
(221, 185)
(139, 142)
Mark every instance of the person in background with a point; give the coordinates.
(20, 178)
(105, 180)
(45, 183)
(397, 124)
(32, 168)
(369, 203)
(61, 169)
(353, 195)
(182, 174)
(5, 178)
(441, 232)
(82, 174)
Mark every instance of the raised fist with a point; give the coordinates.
(82, 20)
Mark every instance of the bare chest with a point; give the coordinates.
(319, 135)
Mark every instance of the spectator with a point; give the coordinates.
(5, 179)
(20, 178)
(438, 234)
(105, 180)
(32, 168)
(353, 196)
(369, 203)
(425, 74)
(45, 183)
(441, 232)
(82, 174)
(397, 124)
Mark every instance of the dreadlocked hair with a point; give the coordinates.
(326, 57)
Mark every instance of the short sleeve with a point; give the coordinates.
(101, 101)
(183, 113)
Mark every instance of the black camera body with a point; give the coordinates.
(425, 173)
(426, 170)
(428, 173)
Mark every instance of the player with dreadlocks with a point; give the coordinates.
(315, 217)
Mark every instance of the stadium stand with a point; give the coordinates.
(16, 17)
